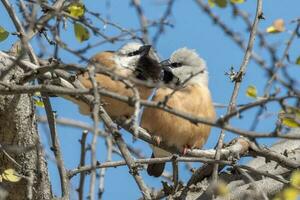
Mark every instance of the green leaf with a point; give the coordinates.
(251, 91)
(222, 189)
(38, 94)
(298, 60)
(290, 117)
(211, 3)
(290, 122)
(81, 33)
(221, 3)
(295, 178)
(290, 193)
(237, 1)
(39, 103)
(10, 175)
(3, 34)
(76, 10)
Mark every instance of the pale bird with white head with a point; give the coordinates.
(192, 97)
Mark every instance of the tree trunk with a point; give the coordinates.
(20, 141)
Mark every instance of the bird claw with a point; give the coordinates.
(156, 139)
(185, 149)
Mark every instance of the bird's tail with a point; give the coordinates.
(155, 169)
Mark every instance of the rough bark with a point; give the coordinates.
(240, 187)
(20, 139)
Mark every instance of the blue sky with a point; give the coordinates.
(192, 29)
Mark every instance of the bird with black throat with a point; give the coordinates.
(110, 68)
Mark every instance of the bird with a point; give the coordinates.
(126, 62)
(192, 96)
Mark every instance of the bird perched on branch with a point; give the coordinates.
(111, 67)
(192, 97)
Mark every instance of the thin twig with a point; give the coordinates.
(96, 105)
(232, 104)
(57, 149)
(114, 164)
(143, 20)
(175, 172)
(161, 26)
(280, 64)
(133, 167)
(80, 189)
(103, 170)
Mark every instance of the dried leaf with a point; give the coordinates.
(221, 3)
(10, 175)
(276, 27)
(3, 34)
(81, 33)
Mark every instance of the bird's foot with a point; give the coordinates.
(156, 139)
(185, 149)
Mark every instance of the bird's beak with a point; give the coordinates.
(144, 50)
(165, 65)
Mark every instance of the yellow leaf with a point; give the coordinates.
(277, 197)
(271, 29)
(289, 193)
(1, 179)
(3, 34)
(221, 3)
(251, 91)
(81, 33)
(38, 94)
(237, 1)
(222, 188)
(211, 3)
(76, 10)
(11, 175)
(298, 60)
(289, 122)
(39, 103)
(295, 179)
(290, 117)
(276, 27)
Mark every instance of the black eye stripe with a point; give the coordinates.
(134, 53)
(175, 65)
